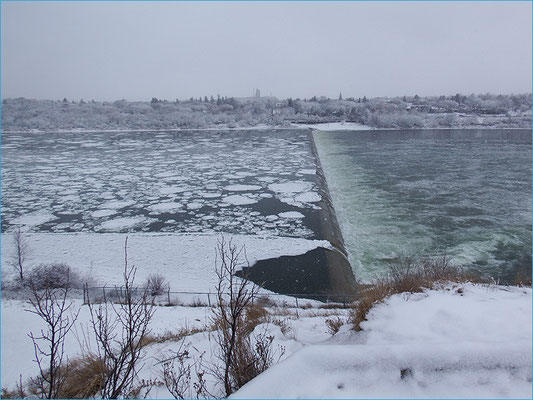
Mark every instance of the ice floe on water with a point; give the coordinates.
(291, 214)
(165, 207)
(231, 182)
(103, 213)
(122, 224)
(238, 200)
(242, 188)
(34, 219)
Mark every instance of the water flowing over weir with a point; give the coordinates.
(463, 193)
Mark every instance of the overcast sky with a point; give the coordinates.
(140, 50)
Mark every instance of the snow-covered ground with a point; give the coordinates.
(336, 126)
(187, 261)
(463, 341)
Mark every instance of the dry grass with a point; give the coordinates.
(254, 315)
(369, 297)
(523, 278)
(173, 336)
(85, 377)
(407, 275)
(82, 378)
(264, 301)
(197, 302)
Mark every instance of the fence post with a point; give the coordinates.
(344, 301)
(209, 298)
(168, 295)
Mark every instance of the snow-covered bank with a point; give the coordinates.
(460, 342)
(185, 260)
(336, 126)
(258, 127)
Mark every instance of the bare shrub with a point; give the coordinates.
(18, 393)
(197, 302)
(53, 276)
(334, 324)
(156, 284)
(243, 354)
(284, 326)
(177, 375)
(119, 331)
(51, 305)
(21, 252)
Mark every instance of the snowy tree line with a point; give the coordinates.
(400, 112)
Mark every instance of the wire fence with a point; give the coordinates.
(168, 297)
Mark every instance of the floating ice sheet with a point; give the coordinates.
(159, 182)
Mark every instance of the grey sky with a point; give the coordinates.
(137, 50)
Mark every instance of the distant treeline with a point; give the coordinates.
(485, 110)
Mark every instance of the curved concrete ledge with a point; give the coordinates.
(319, 271)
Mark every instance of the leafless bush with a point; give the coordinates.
(284, 326)
(21, 252)
(53, 276)
(119, 330)
(51, 305)
(334, 324)
(18, 393)
(177, 375)
(243, 354)
(197, 302)
(156, 284)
